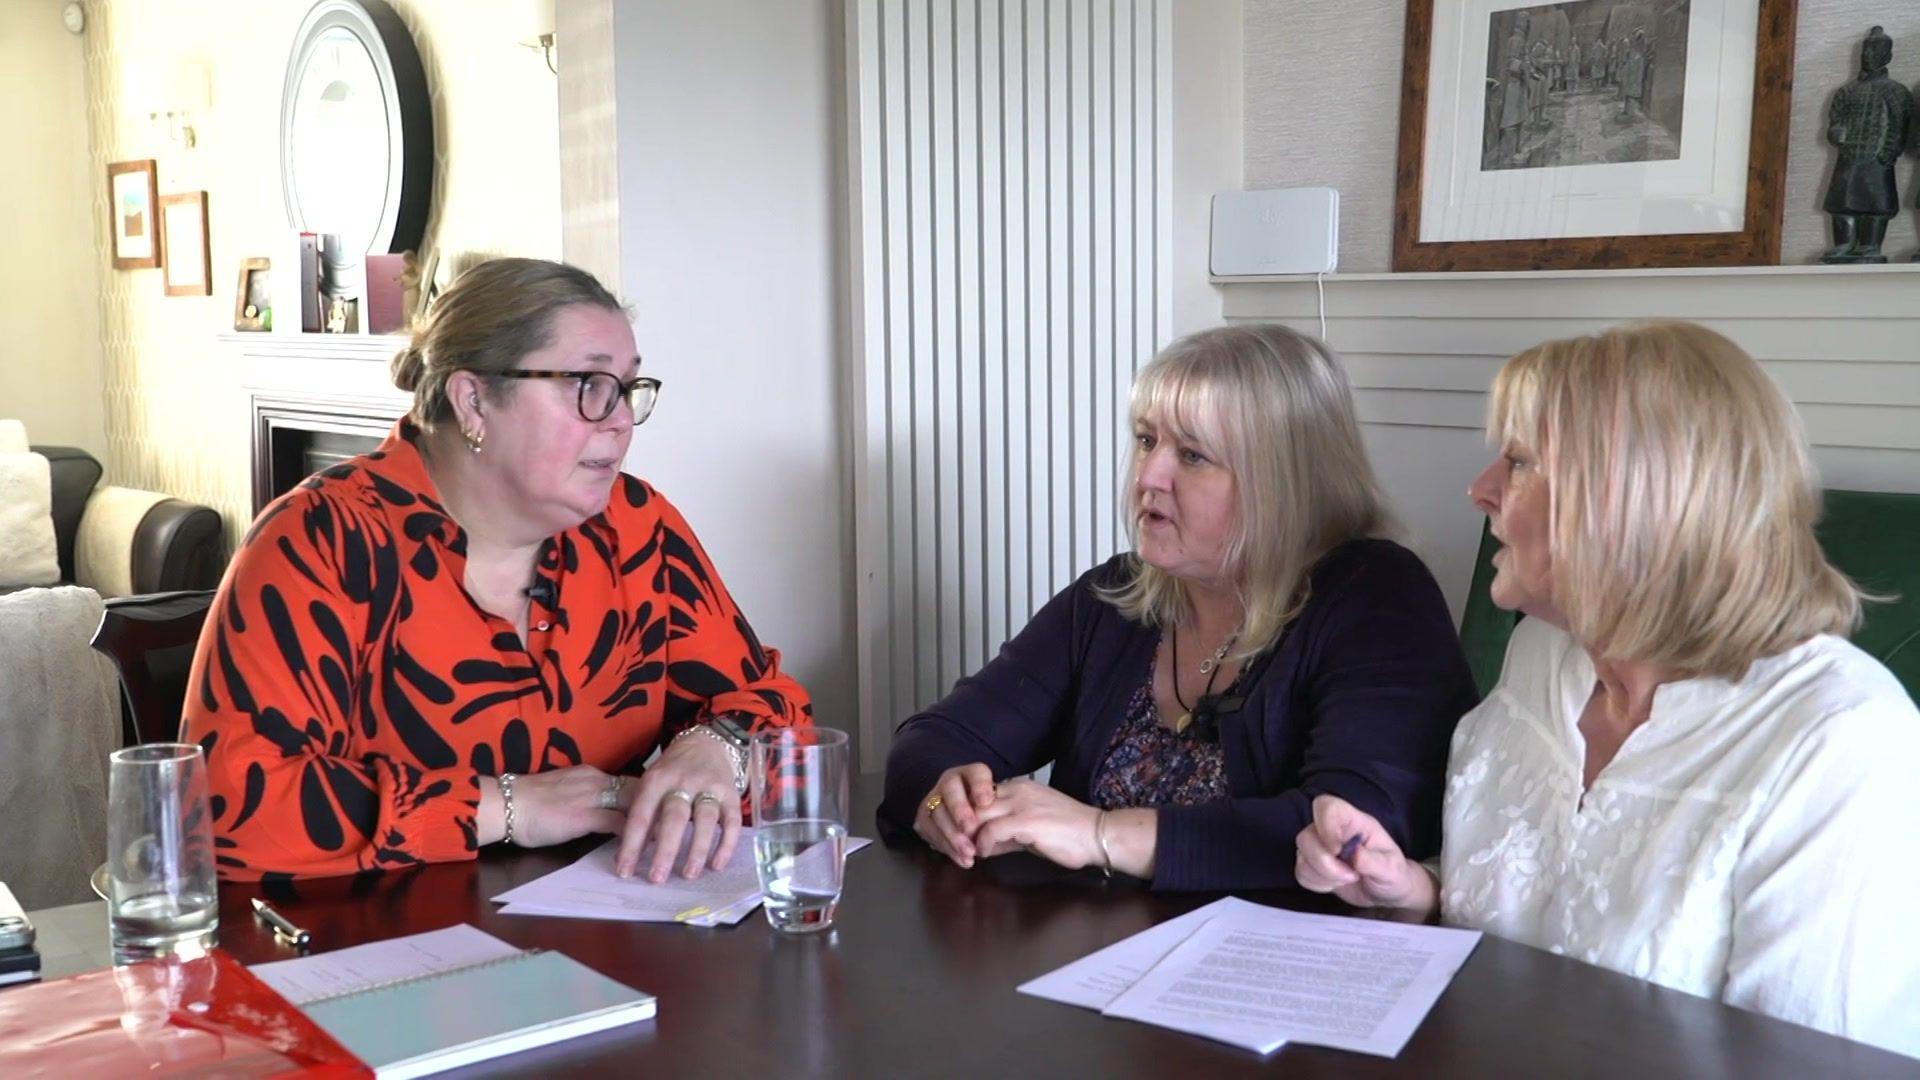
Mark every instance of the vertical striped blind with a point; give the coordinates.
(1009, 190)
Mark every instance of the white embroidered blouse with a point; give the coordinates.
(1753, 841)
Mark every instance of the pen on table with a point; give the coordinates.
(283, 928)
(1350, 849)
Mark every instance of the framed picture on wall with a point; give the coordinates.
(183, 223)
(132, 201)
(1593, 134)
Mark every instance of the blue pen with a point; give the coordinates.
(1349, 849)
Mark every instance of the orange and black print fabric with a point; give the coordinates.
(349, 694)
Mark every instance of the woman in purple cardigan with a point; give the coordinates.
(1260, 646)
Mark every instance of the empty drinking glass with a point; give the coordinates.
(799, 779)
(162, 898)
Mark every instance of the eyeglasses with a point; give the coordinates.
(601, 392)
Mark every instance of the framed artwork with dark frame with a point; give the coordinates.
(189, 266)
(1593, 134)
(133, 206)
(253, 296)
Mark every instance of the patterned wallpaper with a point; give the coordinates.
(1323, 101)
(176, 412)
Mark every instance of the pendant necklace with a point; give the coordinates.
(1210, 667)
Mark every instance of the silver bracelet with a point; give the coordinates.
(1100, 837)
(736, 757)
(506, 798)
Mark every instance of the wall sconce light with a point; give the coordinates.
(172, 98)
(543, 44)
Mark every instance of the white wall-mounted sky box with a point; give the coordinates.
(1278, 231)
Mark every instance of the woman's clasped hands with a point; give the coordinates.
(966, 816)
(690, 789)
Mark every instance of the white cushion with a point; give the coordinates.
(103, 548)
(13, 437)
(28, 555)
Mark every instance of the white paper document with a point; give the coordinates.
(589, 889)
(1262, 977)
(346, 970)
(1094, 980)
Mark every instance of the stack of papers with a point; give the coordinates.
(589, 889)
(1259, 977)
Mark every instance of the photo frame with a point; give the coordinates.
(1593, 134)
(183, 224)
(133, 206)
(253, 296)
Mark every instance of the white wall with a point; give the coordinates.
(50, 358)
(1323, 107)
(1208, 97)
(731, 241)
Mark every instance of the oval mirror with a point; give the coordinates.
(356, 129)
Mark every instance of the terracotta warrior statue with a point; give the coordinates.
(1869, 123)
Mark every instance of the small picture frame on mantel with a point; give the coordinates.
(183, 223)
(253, 296)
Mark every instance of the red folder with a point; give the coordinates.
(205, 1016)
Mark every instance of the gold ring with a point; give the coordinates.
(934, 801)
(706, 797)
(678, 793)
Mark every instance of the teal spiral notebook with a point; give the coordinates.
(429, 1023)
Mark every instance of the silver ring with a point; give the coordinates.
(678, 793)
(706, 797)
(610, 795)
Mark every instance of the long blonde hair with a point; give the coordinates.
(1682, 498)
(1275, 408)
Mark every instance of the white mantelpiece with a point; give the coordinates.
(325, 365)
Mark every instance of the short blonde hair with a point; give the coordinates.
(1682, 498)
(488, 320)
(1274, 407)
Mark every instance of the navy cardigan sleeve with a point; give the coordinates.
(1010, 715)
(1358, 698)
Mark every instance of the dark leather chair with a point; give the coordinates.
(1872, 536)
(176, 544)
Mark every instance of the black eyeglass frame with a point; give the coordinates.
(586, 378)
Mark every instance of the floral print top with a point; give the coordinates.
(1150, 764)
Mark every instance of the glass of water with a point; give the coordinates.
(162, 898)
(799, 779)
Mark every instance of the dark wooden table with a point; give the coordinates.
(918, 980)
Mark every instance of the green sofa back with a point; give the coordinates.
(1872, 536)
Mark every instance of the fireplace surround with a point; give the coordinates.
(316, 399)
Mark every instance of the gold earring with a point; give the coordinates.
(474, 439)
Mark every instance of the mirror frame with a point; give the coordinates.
(403, 90)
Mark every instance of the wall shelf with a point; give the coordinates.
(1768, 272)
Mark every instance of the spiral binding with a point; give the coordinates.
(428, 977)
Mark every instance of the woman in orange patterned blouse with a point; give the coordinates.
(471, 633)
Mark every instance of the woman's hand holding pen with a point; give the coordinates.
(1347, 853)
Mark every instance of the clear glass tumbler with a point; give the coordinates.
(799, 778)
(162, 896)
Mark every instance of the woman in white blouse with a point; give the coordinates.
(1686, 772)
